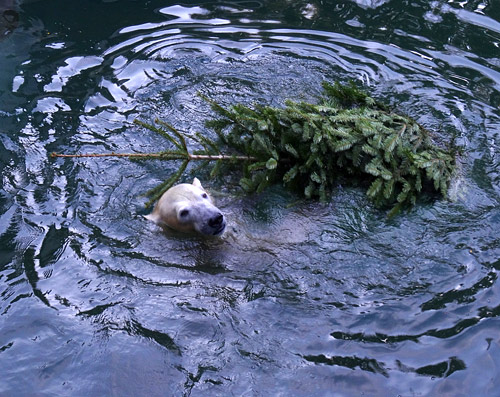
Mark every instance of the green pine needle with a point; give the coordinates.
(308, 146)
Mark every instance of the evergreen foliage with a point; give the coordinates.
(308, 147)
(210, 152)
(348, 134)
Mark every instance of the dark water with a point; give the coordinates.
(304, 300)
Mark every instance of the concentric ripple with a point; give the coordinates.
(297, 298)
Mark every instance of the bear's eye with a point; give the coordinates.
(204, 195)
(184, 213)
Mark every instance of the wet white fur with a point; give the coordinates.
(188, 208)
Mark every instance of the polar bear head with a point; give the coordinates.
(188, 208)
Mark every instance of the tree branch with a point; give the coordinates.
(167, 156)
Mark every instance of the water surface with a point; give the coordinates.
(307, 299)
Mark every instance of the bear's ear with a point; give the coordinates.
(197, 183)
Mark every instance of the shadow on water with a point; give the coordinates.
(297, 297)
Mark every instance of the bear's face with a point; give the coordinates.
(198, 213)
(188, 207)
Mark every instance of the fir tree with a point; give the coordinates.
(348, 134)
(308, 147)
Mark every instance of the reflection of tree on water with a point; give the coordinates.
(9, 17)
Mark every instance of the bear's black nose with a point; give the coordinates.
(216, 221)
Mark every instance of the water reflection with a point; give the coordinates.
(93, 294)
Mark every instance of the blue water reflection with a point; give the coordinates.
(297, 298)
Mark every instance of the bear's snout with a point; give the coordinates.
(216, 221)
(216, 224)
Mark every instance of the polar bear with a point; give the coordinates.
(187, 208)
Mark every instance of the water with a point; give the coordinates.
(308, 299)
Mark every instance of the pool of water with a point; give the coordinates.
(308, 299)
